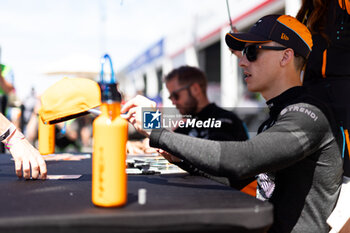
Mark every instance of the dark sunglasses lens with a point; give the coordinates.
(251, 53)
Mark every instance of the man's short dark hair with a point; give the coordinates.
(188, 75)
(299, 62)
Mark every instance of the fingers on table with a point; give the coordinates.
(18, 167)
(34, 167)
(42, 167)
(26, 168)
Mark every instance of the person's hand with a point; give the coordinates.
(139, 147)
(147, 148)
(133, 110)
(134, 147)
(27, 159)
(171, 158)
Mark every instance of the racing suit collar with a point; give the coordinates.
(278, 103)
(288, 97)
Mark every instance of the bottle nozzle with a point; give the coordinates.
(103, 61)
(109, 91)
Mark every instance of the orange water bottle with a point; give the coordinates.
(46, 138)
(110, 134)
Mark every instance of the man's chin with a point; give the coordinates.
(186, 111)
(251, 88)
(182, 111)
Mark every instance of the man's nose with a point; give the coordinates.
(243, 61)
(173, 101)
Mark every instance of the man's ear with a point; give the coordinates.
(196, 89)
(287, 57)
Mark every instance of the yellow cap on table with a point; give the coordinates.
(69, 98)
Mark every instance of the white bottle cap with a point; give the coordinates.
(142, 196)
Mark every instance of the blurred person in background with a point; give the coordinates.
(327, 76)
(327, 73)
(74, 135)
(6, 87)
(29, 104)
(188, 92)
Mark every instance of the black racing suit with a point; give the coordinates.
(299, 148)
(232, 129)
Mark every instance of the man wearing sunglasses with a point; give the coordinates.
(298, 143)
(188, 92)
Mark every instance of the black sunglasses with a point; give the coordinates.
(175, 94)
(251, 50)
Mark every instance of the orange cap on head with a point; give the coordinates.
(283, 29)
